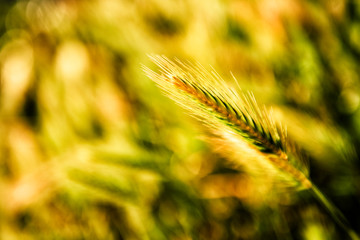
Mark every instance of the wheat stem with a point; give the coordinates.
(334, 212)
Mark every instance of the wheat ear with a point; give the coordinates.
(239, 124)
(234, 116)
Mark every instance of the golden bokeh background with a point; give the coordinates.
(91, 149)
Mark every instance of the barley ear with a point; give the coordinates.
(240, 125)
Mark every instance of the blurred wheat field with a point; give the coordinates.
(91, 149)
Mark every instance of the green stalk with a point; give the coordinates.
(334, 212)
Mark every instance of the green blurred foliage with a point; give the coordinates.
(90, 149)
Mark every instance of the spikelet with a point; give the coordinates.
(243, 130)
